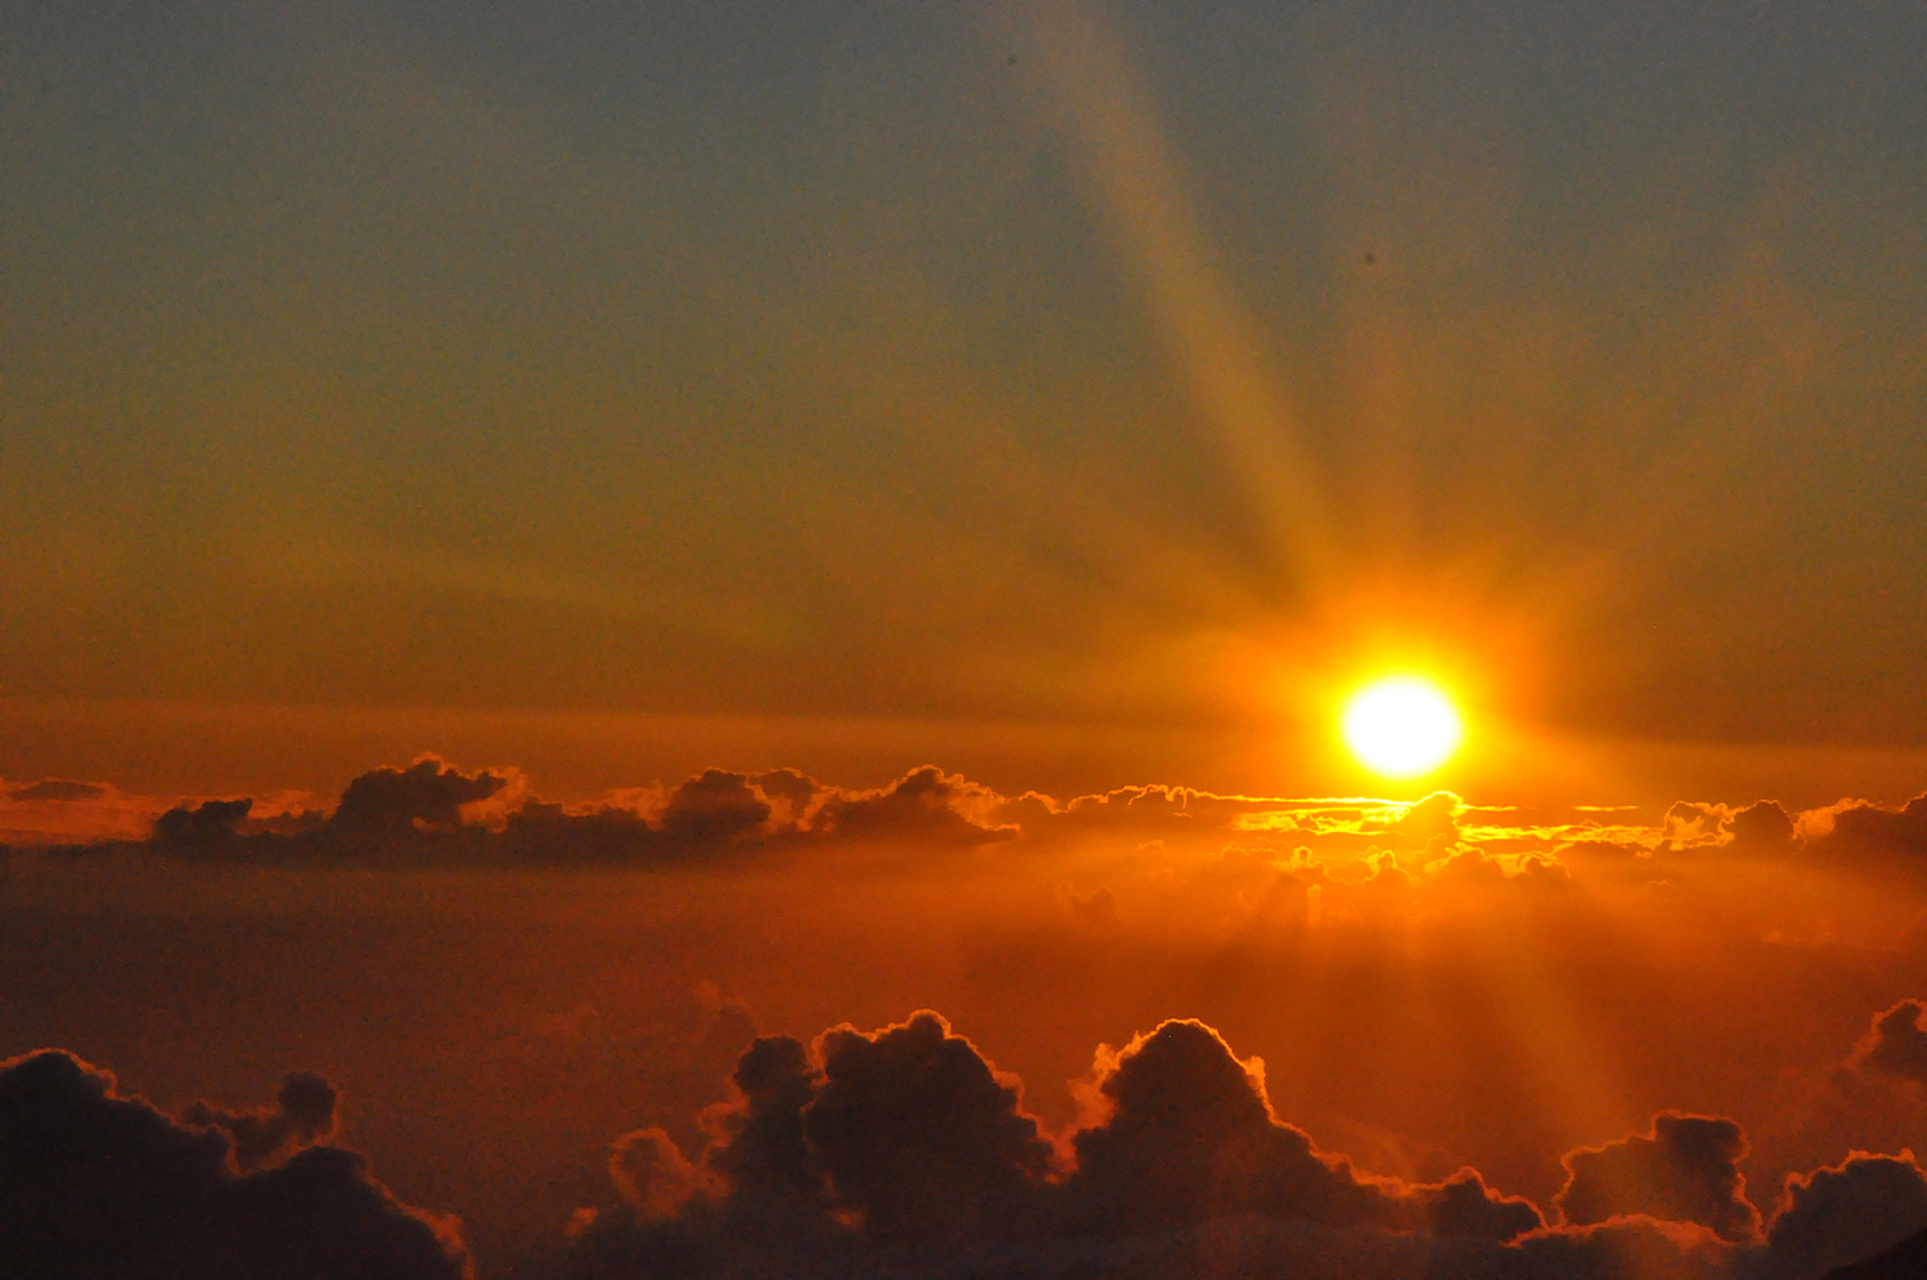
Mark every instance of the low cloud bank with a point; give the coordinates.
(905, 1151)
(432, 811)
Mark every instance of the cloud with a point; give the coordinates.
(1858, 829)
(1763, 828)
(435, 811)
(1686, 1169)
(58, 789)
(652, 1175)
(303, 1114)
(1190, 1137)
(1846, 1212)
(389, 803)
(93, 1183)
(904, 1149)
(761, 1151)
(926, 804)
(921, 1135)
(1896, 1045)
(208, 827)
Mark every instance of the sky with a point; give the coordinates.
(690, 523)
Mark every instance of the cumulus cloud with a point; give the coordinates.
(908, 1143)
(390, 803)
(921, 1135)
(203, 828)
(1846, 1212)
(1686, 1169)
(1857, 829)
(926, 804)
(96, 1184)
(1190, 1137)
(1763, 828)
(1896, 1045)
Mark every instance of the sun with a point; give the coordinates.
(1402, 726)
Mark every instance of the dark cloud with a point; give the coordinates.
(1465, 1206)
(1191, 1137)
(1861, 829)
(58, 789)
(1896, 1045)
(1905, 1261)
(303, 1114)
(761, 1151)
(423, 813)
(96, 1186)
(1685, 1170)
(705, 815)
(389, 803)
(904, 1152)
(789, 786)
(1846, 1212)
(921, 1136)
(207, 827)
(926, 804)
(1763, 828)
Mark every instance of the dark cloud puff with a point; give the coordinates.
(760, 1150)
(206, 827)
(388, 803)
(1191, 1137)
(926, 804)
(1844, 1213)
(1861, 830)
(1763, 828)
(303, 1114)
(921, 1135)
(97, 1186)
(1685, 1170)
(1896, 1045)
(60, 789)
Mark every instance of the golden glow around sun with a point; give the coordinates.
(1402, 726)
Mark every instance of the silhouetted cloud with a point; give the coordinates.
(304, 1113)
(904, 1151)
(1859, 830)
(208, 827)
(1763, 828)
(1191, 1137)
(94, 1185)
(1685, 1170)
(61, 789)
(921, 1136)
(1896, 1045)
(926, 804)
(1904, 1261)
(388, 803)
(1843, 1213)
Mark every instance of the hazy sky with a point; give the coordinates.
(1098, 368)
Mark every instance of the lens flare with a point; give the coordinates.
(1402, 726)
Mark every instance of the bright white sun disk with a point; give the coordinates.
(1402, 726)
